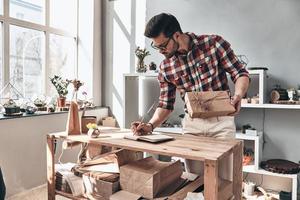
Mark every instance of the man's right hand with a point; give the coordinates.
(139, 128)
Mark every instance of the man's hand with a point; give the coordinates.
(139, 128)
(236, 102)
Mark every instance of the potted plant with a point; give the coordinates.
(141, 54)
(61, 87)
(93, 130)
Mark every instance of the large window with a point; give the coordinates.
(1, 56)
(40, 41)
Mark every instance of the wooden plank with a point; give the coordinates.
(191, 187)
(238, 170)
(211, 177)
(171, 148)
(50, 168)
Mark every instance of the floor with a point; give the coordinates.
(38, 193)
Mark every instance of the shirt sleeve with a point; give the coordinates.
(229, 61)
(167, 93)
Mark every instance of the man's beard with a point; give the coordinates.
(173, 52)
(169, 55)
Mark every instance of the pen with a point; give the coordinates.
(143, 117)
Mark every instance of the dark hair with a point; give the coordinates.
(162, 23)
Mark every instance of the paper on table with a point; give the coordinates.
(107, 167)
(155, 137)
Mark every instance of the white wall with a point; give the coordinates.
(23, 148)
(122, 21)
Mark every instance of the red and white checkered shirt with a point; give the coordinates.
(203, 68)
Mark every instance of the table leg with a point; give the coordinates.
(237, 171)
(211, 179)
(50, 168)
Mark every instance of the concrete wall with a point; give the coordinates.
(23, 149)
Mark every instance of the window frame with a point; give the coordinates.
(6, 21)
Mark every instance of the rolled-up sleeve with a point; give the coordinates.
(229, 61)
(167, 93)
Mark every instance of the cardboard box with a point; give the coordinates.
(85, 120)
(122, 195)
(148, 177)
(109, 121)
(97, 187)
(208, 104)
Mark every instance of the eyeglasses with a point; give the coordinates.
(161, 46)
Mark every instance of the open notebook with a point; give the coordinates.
(154, 137)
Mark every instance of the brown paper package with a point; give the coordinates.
(208, 104)
(148, 177)
(73, 123)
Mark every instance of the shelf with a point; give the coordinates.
(150, 74)
(271, 106)
(251, 169)
(243, 136)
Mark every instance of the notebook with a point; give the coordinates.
(153, 138)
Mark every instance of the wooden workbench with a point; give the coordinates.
(209, 150)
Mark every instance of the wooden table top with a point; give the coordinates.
(184, 146)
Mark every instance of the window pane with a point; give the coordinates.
(1, 7)
(27, 60)
(62, 58)
(28, 10)
(69, 9)
(1, 59)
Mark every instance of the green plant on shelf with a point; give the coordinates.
(141, 54)
(60, 85)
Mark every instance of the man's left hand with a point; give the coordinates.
(236, 102)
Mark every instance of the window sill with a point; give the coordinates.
(42, 113)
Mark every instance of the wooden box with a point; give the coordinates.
(148, 177)
(109, 122)
(208, 104)
(85, 120)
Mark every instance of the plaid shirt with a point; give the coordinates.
(203, 68)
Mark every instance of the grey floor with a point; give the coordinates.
(38, 193)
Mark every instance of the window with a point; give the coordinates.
(39, 45)
(29, 10)
(62, 58)
(1, 7)
(67, 22)
(1, 58)
(26, 60)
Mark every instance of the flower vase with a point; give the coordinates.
(61, 102)
(140, 66)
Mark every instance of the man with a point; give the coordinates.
(193, 63)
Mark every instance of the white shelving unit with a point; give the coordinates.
(271, 106)
(274, 181)
(257, 146)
